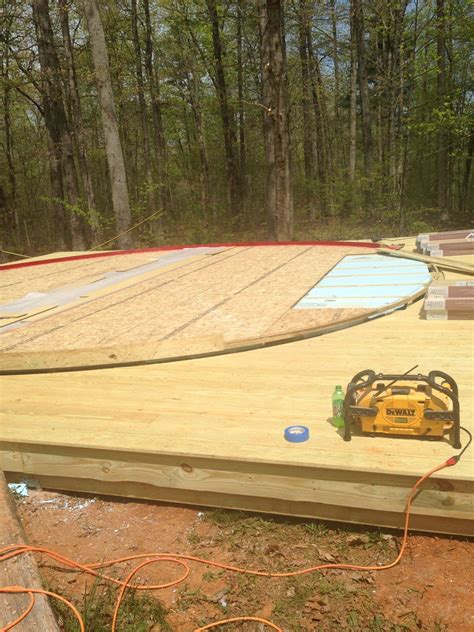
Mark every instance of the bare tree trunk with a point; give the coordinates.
(357, 9)
(11, 203)
(317, 106)
(323, 143)
(10, 199)
(353, 101)
(195, 102)
(393, 45)
(204, 162)
(227, 116)
(308, 126)
(113, 147)
(381, 100)
(56, 121)
(193, 95)
(308, 130)
(59, 222)
(335, 56)
(406, 68)
(159, 135)
(464, 205)
(77, 128)
(150, 193)
(442, 157)
(278, 198)
(240, 92)
(404, 134)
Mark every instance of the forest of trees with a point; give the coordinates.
(205, 118)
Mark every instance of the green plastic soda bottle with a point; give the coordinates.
(338, 407)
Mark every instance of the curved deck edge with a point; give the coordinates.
(118, 253)
(172, 350)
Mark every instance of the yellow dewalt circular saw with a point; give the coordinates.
(408, 404)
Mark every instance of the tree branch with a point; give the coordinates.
(30, 98)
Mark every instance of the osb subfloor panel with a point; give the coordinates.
(210, 431)
(14, 284)
(240, 293)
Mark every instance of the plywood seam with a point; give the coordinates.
(111, 293)
(227, 299)
(227, 347)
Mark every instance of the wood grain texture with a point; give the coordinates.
(128, 431)
(61, 329)
(20, 571)
(199, 480)
(14, 284)
(242, 296)
(387, 518)
(462, 263)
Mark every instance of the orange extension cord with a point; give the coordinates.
(181, 560)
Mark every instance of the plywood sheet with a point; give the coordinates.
(306, 319)
(16, 283)
(46, 333)
(250, 312)
(66, 297)
(237, 294)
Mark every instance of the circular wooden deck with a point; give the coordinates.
(167, 305)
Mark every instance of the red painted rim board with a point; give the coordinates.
(117, 253)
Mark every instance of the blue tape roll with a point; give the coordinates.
(296, 434)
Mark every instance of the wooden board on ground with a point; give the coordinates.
(210, 431)
(20, 571)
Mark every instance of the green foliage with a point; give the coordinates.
(223, 517)
(398, 193)
(139, 611)
(316, 529)
(91, 216)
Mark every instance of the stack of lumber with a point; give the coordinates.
(449, 300)
(447, 244)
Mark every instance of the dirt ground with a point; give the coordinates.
(431, 589)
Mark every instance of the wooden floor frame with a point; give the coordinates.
(210, 431)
